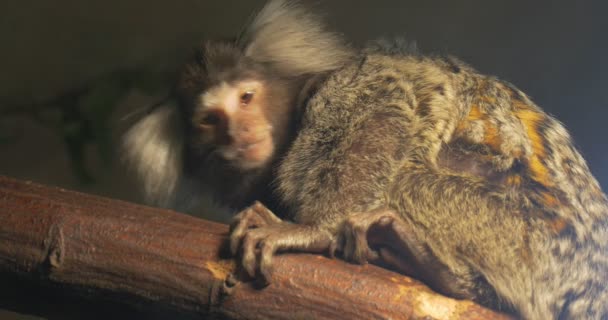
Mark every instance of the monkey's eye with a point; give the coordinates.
(246, 97)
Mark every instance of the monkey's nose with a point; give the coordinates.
(240, 131)
(212, 118)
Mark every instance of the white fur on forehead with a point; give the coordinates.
(293, 40)
(153, 148)
(225, 95)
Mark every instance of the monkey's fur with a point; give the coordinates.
(478, 190)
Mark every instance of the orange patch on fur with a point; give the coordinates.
(514, 180)
(487, 99)
(539, 172)
(491, 137)
(558, 225)
(517, 153)
(530, 120)
(475, 113)
(549, 200)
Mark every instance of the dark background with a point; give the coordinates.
(552, 50)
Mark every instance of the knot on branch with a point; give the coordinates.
(54, 248)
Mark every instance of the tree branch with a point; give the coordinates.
(140, 256)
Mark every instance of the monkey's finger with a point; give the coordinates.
(243, 217)
(250, 243)
(348, 246)
(291, 237)
(353, 243)
(268, 250)
(239, 226)
(362, 251)
(264, 214)
(255, 216)
(357, 247)
(236, 238)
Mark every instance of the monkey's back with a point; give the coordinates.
(386, 110)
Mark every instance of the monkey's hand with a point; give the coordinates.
(379, 237)
(260, 234)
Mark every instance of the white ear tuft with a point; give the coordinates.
(153, 147)
(293, 40)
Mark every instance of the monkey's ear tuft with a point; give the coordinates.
(292, 40)
(153, 148)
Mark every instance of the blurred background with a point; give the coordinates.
(72, 71)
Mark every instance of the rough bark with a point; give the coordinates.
(151, 258)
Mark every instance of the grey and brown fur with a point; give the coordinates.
(493, 202)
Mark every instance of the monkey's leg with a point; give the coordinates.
(383, 237)
(477, 230)
(260, 234)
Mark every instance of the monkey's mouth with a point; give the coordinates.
(243, 147)
(250, 155)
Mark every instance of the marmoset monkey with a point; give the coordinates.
(386, 155)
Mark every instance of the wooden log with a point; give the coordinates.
(102, 248)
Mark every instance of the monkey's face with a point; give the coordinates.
(232, 119)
